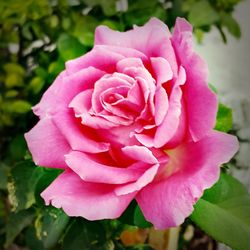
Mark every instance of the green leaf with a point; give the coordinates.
(111, 24)
(2, 209)
(31, 240)
(16, 223)
(49, 175)
(213, 88)
(13, 80)
(224, 119)
(14, 68)
(202, 14)
(19, 107)
(36, 84)
(21, 186)
(17, 147)
(49, 225)
(11, 93)
(224, 213)
(69, 47)
(55, 68)
(141, 11)
(199, 34)
(84, 29)
(231, 24)
(127, 216)
(85, 235)
(41, 72)
(43, 7)
(139, 219)
(3, 176)
(108, 7)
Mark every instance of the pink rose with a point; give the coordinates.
(131, 119)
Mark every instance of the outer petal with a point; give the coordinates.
(141, 182)
(79, 137)
(93, 201)
(168, 202)
(91, 171)
(47, 144)
(102, 57)
(201, 101)
(64, 88)
(152, 39)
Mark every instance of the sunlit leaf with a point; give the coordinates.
(84, 29)
(224, 120)
(69, 47)
(108, 7)
(36, 84)
(202, 13)
(19, 107)
(13, 80)
(231, 24)
(14, 68)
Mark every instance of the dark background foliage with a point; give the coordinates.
(36, 38)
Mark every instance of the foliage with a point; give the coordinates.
(36, 38)
(223, 212)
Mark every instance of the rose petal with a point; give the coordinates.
(201, 101)
(64, 88)
(93, 201)
(47, 145)
(162, 69)
(122, 108)
(103, 84)
(128, 63)
(79, 137)
(181, 131)
(136, 96)
(141, 182)
(167, 129)
(99, 57)
(82, 104)
(140, 153)
(119, 135)
(168, 202)
(161, 105)
(102, 57)
(170, 123)
(91, 171)
(145, 140)
(140, 38)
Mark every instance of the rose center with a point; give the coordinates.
(112, 98)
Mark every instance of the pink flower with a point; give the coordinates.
(131, 119)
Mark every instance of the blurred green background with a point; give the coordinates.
(36, 38)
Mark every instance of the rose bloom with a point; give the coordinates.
(131, 119)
